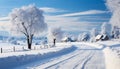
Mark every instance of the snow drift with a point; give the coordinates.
(32, 56)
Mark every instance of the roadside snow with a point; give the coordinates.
(112, 53)
(95, 45)
(71, 55)
(13, 59)
(111, 58)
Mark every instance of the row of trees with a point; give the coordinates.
(58, 35)
(105, 30)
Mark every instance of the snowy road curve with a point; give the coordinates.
(85, 57)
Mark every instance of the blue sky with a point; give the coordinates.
(72, 16)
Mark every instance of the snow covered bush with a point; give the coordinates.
(83, 37)
(73, 38)
(55, 34)
(14, 42)
(28, 20)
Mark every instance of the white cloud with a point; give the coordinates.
(51, 10)
(4, 18)
(69, 23)
(4, 24)
(89, 12)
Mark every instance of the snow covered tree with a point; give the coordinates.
(115, 32)
(114, 7)
(73, 38)
(55, 35)
(105, 28)
(83, 37)
(79, 37)
(115, 19)
(28, 20)
(93, 33)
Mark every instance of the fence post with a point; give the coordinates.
(34, 47)
(1, 50)
(14, 49)
(23, 48)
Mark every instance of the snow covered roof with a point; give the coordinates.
(104, 36)
(65, 38)
(98, 37)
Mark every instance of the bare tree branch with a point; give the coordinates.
(25, 28)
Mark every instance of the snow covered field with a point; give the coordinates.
(74, 55)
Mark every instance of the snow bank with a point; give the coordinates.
(15, 59)
(111, 58)
(109, 43)
(95, 45)
(112, 53)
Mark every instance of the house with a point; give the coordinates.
(98, 37)
(102, 37)
(105, 37)
(67, 39)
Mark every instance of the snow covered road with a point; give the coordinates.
(85, 57)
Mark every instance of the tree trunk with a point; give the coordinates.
(29, 41)
(54, 41)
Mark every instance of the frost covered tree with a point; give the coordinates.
(79, 37)
(55, 34)
(93, 33)
(114, 7)
(28, 20)
(105, 28)
(115, 32)
(83, 37)
(73, 38)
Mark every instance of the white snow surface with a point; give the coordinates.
(112, 53)
(71, 55)
(13, 59)
(85, 57)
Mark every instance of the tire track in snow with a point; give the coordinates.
(67, 61)
(83, 67)
(62, 65)
(75, 60)
(85, 60)
(70, 57)
(59, 60)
